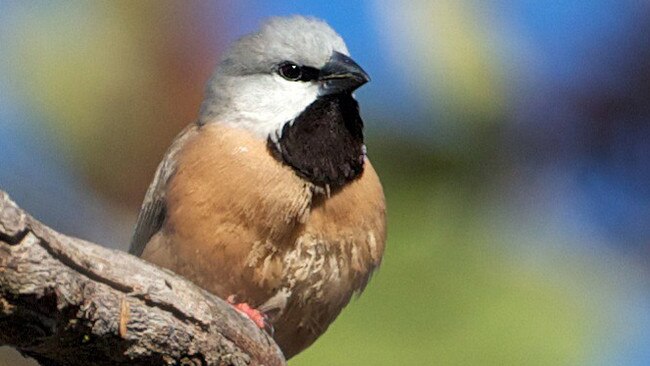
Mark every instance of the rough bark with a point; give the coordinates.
(65, 301)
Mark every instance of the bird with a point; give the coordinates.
(268, 199)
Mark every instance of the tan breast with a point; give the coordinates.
(241, 223)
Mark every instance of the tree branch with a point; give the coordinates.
(64, 301)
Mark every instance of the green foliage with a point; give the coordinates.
(450, 290)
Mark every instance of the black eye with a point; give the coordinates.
(290, 71)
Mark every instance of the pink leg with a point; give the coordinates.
(253, 314)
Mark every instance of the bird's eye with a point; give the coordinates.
(290, 71)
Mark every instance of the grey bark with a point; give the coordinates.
(65, 301)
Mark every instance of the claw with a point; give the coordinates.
(259, 318)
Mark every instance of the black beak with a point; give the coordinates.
(341, 75)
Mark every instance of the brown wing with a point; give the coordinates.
(154, 208)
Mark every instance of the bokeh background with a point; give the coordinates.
(512, 139)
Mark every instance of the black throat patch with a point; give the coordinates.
(324, 144)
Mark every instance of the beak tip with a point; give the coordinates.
(342, 74)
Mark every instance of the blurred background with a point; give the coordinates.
(512, 139)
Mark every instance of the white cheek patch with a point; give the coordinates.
(264, 104)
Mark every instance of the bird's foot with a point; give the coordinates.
(259, 318)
